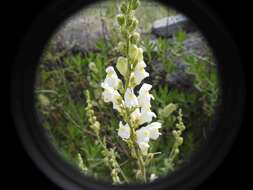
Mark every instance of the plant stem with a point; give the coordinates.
(139, 159)
(137, 150)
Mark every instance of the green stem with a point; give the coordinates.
(140, 162)
(137, 150)
(139, 157)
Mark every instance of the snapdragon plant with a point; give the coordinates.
(136, 127)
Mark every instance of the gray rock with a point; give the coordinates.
(196, 43)
(80, 33)
(157, 73)
(179, 78)
(167, 26)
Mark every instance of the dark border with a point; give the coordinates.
(205, 161)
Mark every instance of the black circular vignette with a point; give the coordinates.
(206, 160)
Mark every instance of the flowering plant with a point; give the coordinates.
(119, 137)
(137, 128)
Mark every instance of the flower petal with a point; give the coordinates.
(124, 131)
(130, 98)
(154, 130)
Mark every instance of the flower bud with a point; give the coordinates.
(121, 47)
(97, 124)
(130, 20)
(121, 20)
(134, 24)
(90, 120)
(91, 111)
(174, 132)
(120, 88)
(135, 4)
(169, 109)
(122, 65)
(135, 38)
(176, 151)
(111, 160)
(180, 140)
(133, 51)
(182, 127)
(132, 80)
(123, 8)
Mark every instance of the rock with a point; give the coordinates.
(167, 26)
(179, 78)
(157, 73)
(80, 33)
(196, 43)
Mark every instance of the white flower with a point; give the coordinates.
(111, 95)
(143, 135)
(111, 78)
(143, 116)
(124, 131)
(141, 64)
(139, 72)
(153, 177)
(130, 98)
(146, 116)
(144, 148)
(145, 88)
(144, 97)
(153, 129)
